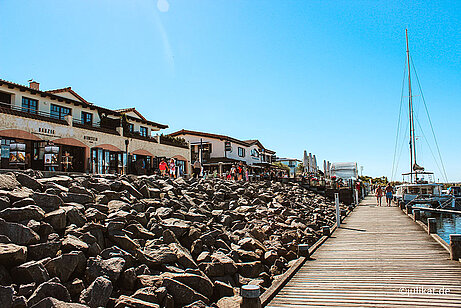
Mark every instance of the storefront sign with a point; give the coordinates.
(90, 138)
(46, 131)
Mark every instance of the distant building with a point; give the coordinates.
(215, 150)
(292, 163)
(346, 171)
(60, 130)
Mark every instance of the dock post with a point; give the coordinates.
(326, 231)
(402, 205)
(303, 250)
(455, 246)
(416, 214)
(431, 225)
(250, 296)
(357, 197)
(338, 212)
(409, 208)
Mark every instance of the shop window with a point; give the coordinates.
(87, 118)
(5, 150)
(59, 112)
(5, 99)
(143, 131)
(241, 152)
(29, 105)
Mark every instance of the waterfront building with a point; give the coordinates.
(59, 130)
(292, 163)
(220, 152)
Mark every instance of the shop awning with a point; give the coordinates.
(142, 152)
(70, 142)
(108, 147)
(18, 134)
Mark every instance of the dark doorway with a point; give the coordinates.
(72, 158)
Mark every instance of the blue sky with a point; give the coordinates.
(324, 76)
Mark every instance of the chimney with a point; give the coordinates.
(34, 85)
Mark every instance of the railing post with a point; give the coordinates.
(338, 212)
(455, 246)
(409, 208)
(326, 231)
(303, 250)
(250, 296)
(416, 214)
(431, 225)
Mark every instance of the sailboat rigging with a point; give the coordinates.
(420, 187)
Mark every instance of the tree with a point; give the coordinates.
(300, 168)
(282, 166)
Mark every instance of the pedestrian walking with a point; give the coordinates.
(379, 195)
(389, 190)
(162, 167)
(233, 172)
(197, 169)
(172, 168)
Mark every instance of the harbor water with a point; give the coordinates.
(446, 224)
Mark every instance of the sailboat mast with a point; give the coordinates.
(410, 107)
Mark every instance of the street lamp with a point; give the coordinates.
(127, 142)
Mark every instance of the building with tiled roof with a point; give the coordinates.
(220, 150)
(96, 138)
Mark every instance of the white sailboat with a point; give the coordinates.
(418, 186)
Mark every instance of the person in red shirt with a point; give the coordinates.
(163, 166)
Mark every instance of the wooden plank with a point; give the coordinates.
(370, 261)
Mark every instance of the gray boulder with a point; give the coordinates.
(28, 212)
(43, 250)
(8, 182)
(97, 294)
(63, 266)
(11, 254)
(18, 233)
(6, 296)
(51, 302)
(126, 301)
(49, 289)
(32, 271)
(110, 268)
(47, 202)
(57, 219)
(182, 294)
(28, 181)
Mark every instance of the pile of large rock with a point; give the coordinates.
(147, 241)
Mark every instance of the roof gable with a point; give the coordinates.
(132, 112)
(69, 93)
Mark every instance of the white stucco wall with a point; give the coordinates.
(217, 148)
(90, 138)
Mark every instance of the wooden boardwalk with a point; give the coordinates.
(378, 258)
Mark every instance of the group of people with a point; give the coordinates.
(169, 169)
(238, 173)
(388, 191)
